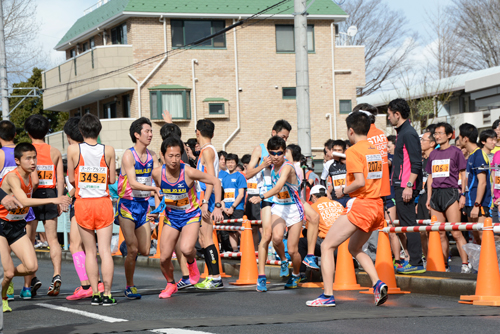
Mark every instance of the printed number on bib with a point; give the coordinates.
(177, 202)
(252, 188)
(283, 197)
(18, 214)
(440, 168)
(142, 193)
(374, 162)
(45, 175)
(93, 177)
(497, 180)
(229, 195)
(338, 181)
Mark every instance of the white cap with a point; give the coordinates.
(317, 189)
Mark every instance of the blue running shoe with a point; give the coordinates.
(322, 301)
(380, 293)
(131, 293)
(261, 284)
(311, 261)
(293, 282)
(409, 269)
(303, 278)
(284, 272)
(184, 283)
(25, 293)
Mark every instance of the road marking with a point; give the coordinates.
(176, 331)
(83, 313)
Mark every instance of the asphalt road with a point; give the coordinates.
(237, 310)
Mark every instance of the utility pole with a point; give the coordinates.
(302, 77)
(3, 69)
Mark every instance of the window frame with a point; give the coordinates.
(186, 103)
(211, 47)
(288, 97)
(217, 104)
(293, 30)
(105, 106)
(345, 112)
(121, 37)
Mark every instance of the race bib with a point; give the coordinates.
(45, 175)
(142, 193)
(92, 177)
(177, 202)
(266, 172)
(229, 195)
(252, 188)
(497, 180)
(338, 181)
(283, 197)
(6, 170)
(374, 162)
(440, 168)
(18, 214)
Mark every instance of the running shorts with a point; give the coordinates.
(252, 211)
(48, 211)
(178, 223)
(94, 213)
(136, 211)
(366, 213)
(484, 211)
(292, 214)
(12, 231)
(443, 198)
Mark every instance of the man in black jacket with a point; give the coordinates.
(406, 179)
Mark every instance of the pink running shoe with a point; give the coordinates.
(170, 289)
(80, 294)
(194, 272)
(100, 287)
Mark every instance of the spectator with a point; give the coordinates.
(252, 211)
(335, 171)
(222, 160)
(496, 127)
(293, 154)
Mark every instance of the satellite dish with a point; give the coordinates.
(352, 31)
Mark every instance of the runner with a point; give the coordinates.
(134, 191)
(364, 212)
(183, 213)
(94, 168)
(287, 211)
(12, 224)
(252, 211)
(335, 171)
(50, 183)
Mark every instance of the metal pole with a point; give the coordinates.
(3, 69)
(302, 77)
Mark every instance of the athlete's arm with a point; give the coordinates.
(2, 159)
(359, 182)
(429, 191)
(481, 189)
(155, 159)
(253, 166)
(128, 165)
(461, 202)
(14, 184)
(73, 150)
(109, 151)
(34, 180)
(208, 158)
(208, 179)
(285, 173)
(237, 200)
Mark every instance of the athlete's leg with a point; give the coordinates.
(187, 241)
(182, 260)
(358, 239)
(453, 214)
(107, 266)
(206, 241)
(266, 234)
(234, 238)
(128, 230)
(168, 241)
(31, 233)
(23, 248)
(7, 264)
(293, 246)
(91, 266)
(395, 245)
(55, 248)
(442, 235)
(76, 249)
(312, 228)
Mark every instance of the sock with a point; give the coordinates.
(310, 255)
(465, 263)
(185, 277)
(328, 296)
(4, 298)
(399, 261)
(85, 287)
(213, 260)
(173, 282)
(129, 286)
(190, 262)
(25, 288)
(295, 275)
(79, 262)
(262, 276)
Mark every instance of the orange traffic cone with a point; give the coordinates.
(435, 259)
(221, 271)
(120, 240)
(248, 266)
(345, 277)
(488, 275)
(384, 266)
(160, 229)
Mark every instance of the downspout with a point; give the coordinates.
(140, 84)
(238, 127)
(329, 116)
(194, 61)
(333, 83)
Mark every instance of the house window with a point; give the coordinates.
(87, 111)
(119, 34)
(126, 106)
(72, 53)
(345, 106)
(178, 103)
(216, 108)
(185, 32)
(289, 93)
(85, 47)
(92, 42)
(285, 38)
(109, 110)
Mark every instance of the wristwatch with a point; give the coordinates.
(204, 201)
(262, 196)
(409, 185)
(477, 205)
(218, 205)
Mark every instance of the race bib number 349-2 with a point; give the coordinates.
(440, 168)
(92, 177)
(374, 162)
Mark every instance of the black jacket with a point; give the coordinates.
(407, 157)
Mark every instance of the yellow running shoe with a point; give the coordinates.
(5, 304)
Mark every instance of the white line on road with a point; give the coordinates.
(83, 313)
(176, 331)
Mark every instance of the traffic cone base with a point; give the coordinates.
(390, 291)
(248, 266)
(311, 285)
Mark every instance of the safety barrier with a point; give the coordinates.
(230, 221)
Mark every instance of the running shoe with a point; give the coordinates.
(100, 287)
(292, 282)
(131, 293)
(284, 272)
(35, 285)
(261, 284)
(184, 283)
(322, 301)
(465, 269)
(311, 261)
(170, 289)
(55, 286)
(96, 300)
(399, 265)
(409, 269)
(5, 304)
(108, 301)
(80, 293)
(194, 272)
(380, 293)
(25, 293)
(303, 278)
(210, 284)
(10, 291)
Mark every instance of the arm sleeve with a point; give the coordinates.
(414, 150)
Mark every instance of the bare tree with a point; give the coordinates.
(387, 41)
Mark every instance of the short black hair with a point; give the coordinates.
(485, 134)
(206, 128)
(296, 151)
(90, 126)
(340, 143)
(431, 128)
(367, 107)
(468, 130)
(169, 128)
(172, 141)
(7, 130)
(401, 106)
(192, 144)
(233, 157)
(496, 123)
(329, 144)
(71, 129)
(280, 125)
(223, 153)
(392, 139)
(22, 148)
(448, 129)
(275, 143)
(37, 126)
(136, 127)
(347, 143)
(246, 159)
(359, 122)
(240, 166)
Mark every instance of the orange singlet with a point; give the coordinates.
(44, 166)
(20, 213)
